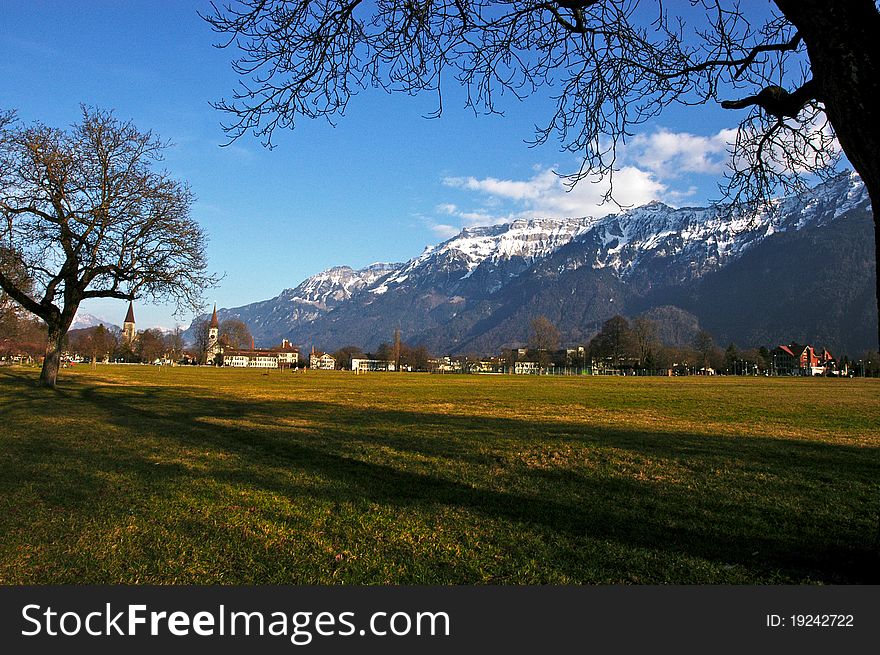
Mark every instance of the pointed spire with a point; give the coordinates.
(214, 322)
(129, 317)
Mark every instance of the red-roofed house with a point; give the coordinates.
(795, 359)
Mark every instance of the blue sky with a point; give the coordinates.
(380, 186)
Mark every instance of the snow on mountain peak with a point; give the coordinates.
(83, 320)
(710, 237)
(338, 283)
(528, 239)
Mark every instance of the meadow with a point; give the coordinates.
(139, 474)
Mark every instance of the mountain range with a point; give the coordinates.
(802, 270)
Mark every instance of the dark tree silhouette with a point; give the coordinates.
(645, 333)
(543, 340)
(544, 335)
(96, 342)
(174, 343)
(615, 342)
(704, 344)
(343, 356)
(234, 334)
(86, 216)
(150, 345)
(805, 72)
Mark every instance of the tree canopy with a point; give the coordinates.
(86, 215)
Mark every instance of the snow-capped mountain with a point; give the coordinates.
(689, 242)
(328, 288)
(508, 249)
(82, 321)
(270, 320)
(478, 290)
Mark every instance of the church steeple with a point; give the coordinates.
(214, 334)
(129, 333)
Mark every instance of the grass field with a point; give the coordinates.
(134, 474)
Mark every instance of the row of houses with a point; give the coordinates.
(287, 356)
(792, 359)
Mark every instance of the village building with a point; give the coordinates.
(526, 368)
(250, 358)
(446, 364)
(321, 361)
(486, 365)
(795, 359)
(283, 356)
(288, 355)
(362, 365)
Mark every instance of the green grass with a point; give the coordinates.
(145, 475)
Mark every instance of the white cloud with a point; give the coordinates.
(649, 163)
(669, 154)
(447, 208)
(546, 195)
(444, 231)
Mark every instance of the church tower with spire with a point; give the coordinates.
(214, 334)
(129, 334)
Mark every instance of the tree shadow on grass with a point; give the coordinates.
(760, 503)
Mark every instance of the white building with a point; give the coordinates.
(322, 361)
(361, 364)
(284, 356)
(249, 359)
(526, 368)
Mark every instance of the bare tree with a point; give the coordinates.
(615, 342)
(86, 216)
(805, 72)
(233, 333)
(343, 356)
(174, 343)
(396, 349)
(645, 333)
(96, 342)
(22, 335)
(417, 357)
(704, 344)
(9, 316)
(103, 343)
(544, 335)
(201, 330)
(543, 340)
(150, 345)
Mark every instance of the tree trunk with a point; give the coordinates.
(844, 48)
(52, 361)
